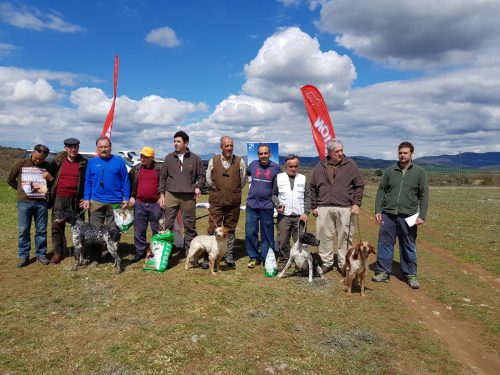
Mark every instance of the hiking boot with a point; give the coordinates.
(43, 260)
(22, 262)
(205, 265)
(253, 263)
(381, 277)
(56, 258)
(413, 282)
(230, 263)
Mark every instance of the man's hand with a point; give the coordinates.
(419, 221)
(303, 218)
(197, 192)
(355, 209)
(86, 204)
(161, 201)
(81, 204)
(378, 217)
(315, 212)
(132, 201)
(47, 176)
(125, 205)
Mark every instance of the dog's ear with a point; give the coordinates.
(224, 232)
(371, 249)
(358, 246)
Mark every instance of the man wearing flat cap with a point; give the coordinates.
(66, 193)
(144, 183)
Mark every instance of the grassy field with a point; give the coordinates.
(56, 321)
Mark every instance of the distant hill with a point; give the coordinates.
(470, 160)
(464, 160)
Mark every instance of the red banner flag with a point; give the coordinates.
(108, 124)
(321, 125)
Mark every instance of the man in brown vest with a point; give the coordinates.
(226, 175)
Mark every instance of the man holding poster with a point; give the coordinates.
(29, 177)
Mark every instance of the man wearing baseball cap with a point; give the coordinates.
(144, 183)
(66, 193)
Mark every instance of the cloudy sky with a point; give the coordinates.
(389, 70)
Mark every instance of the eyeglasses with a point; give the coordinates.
(42, 149)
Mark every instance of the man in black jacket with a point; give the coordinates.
(144, 196)
(66, 193)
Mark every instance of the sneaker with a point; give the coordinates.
(381, 277)
(43, 260)
(253, 263)
(22, 262)
(413, 282)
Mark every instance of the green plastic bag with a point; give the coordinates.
(161, 248)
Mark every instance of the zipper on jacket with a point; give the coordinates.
(399, 193)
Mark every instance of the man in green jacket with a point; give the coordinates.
(402, 193)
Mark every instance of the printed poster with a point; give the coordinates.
(33, 183)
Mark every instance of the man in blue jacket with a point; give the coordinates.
(106, 185)
(260, 208)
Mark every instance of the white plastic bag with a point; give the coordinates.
(123, 218)
(270, 267)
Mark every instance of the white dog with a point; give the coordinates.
(215, 246)
(300, 254)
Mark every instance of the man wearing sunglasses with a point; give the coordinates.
(66, 192)
(30, 177)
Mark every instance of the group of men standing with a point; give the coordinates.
(334, 195)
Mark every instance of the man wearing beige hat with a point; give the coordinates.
(144, 182)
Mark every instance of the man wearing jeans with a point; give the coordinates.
(144, 180)
(336, 192)
(30, 177)
(259, 207)
(403, 192)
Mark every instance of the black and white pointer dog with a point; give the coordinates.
(301, 256)
(85, 233)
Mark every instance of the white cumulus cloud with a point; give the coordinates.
(163, 36)
(290, 59)
(415, 35)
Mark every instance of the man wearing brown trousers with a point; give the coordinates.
(226, 175)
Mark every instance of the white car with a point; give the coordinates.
(130, 156)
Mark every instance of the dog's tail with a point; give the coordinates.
(115, 233)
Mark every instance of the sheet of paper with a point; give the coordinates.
(411, 220)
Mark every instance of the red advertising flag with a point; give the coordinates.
(321, 125)
(108, 124)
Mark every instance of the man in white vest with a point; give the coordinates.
(292, 199)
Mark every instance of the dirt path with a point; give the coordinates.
(462, 337)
